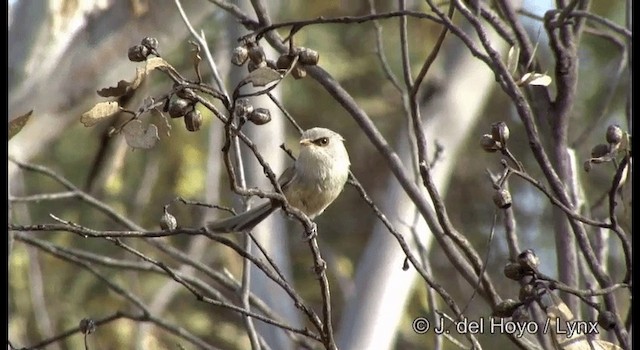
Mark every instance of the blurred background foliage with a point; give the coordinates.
(146, 180)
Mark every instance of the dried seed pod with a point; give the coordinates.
(500, 132)
(505, 308)
(529, 260)
(298, 71)
(284, 61)
(165, 105)
(251, 66)
(502, 198)
(168, 221)
(193, 120)
(243, 107)
(405, 264)
(513, 271)
(488, 143)
(179, 107)
(239, 56)
(260, 116)
(607, 320)
(87, 326)
(187, 94)
(256, 54)
(599, 150)
(614, 134)
(150, 43)
(138, 53)
(308, 56)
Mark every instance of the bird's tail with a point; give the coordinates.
(242, 222)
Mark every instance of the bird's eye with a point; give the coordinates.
(323, 141)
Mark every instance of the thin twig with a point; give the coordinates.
(341, 20)
(203, 43)
(231, 284)
(428, 278)
(285, 112)
(570, 212)
(386, 69)
(44, 197)
(110, 212)
(431, 57)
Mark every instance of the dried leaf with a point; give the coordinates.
(125, 87)
(535, 51)
(164, 127)
(512, 59)
(16, 124)
(583, 342)
(147, 104)
(538, 79)
(623, 176)
(607, 345)
(98, 112)
(154, 63)
(138, 137)
(625, 143)
(263, 76)
(560, 317)
(115, 91)
(195, 57)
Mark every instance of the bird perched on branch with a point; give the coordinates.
(311, 184)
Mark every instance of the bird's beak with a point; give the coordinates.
(305, 142)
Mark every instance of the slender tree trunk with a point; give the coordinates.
(382, 288)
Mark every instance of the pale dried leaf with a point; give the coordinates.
(150, 65)
(155, 62)
(623, 175)
(607, 345)
(98, 112)
(625, 142)
(147, 104)
(263, 76)
(558, 309)
(537, 79)
(564, 311)
(533, 54)
(125, 87)
(512, 59)
(16, 124)
(164, 127)
(115, 91)
(540, 80)
(138, 137)
(582, 342)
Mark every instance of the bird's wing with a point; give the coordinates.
(242, 222)
(287, 176)
(252, 217)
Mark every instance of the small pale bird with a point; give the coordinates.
(313, 182)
